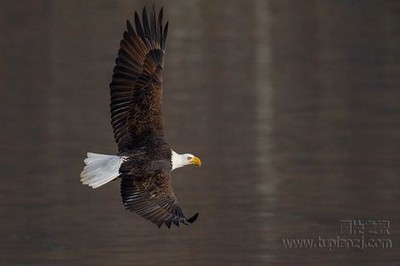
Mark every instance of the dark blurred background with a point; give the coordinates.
(293, 106)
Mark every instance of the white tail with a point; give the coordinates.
(100, 169)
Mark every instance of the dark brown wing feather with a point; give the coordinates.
(136, 92)
(150, 195)
(136, 87)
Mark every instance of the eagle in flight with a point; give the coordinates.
(145, 160)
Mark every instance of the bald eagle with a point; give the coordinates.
(144, 161)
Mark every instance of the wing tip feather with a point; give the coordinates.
(177, 222)
(193, 218)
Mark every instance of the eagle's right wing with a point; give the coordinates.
(153, 198)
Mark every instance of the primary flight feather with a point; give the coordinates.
(144, 161)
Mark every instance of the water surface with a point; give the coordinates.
(293, 107)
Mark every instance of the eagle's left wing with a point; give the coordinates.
(136, 87)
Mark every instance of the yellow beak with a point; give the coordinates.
(195, 161)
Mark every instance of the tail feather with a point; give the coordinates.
(100, 169)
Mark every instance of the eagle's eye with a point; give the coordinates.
(189, 158)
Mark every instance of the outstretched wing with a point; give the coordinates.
(136, 87)
(153, 198)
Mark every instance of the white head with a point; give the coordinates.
(180, 160)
